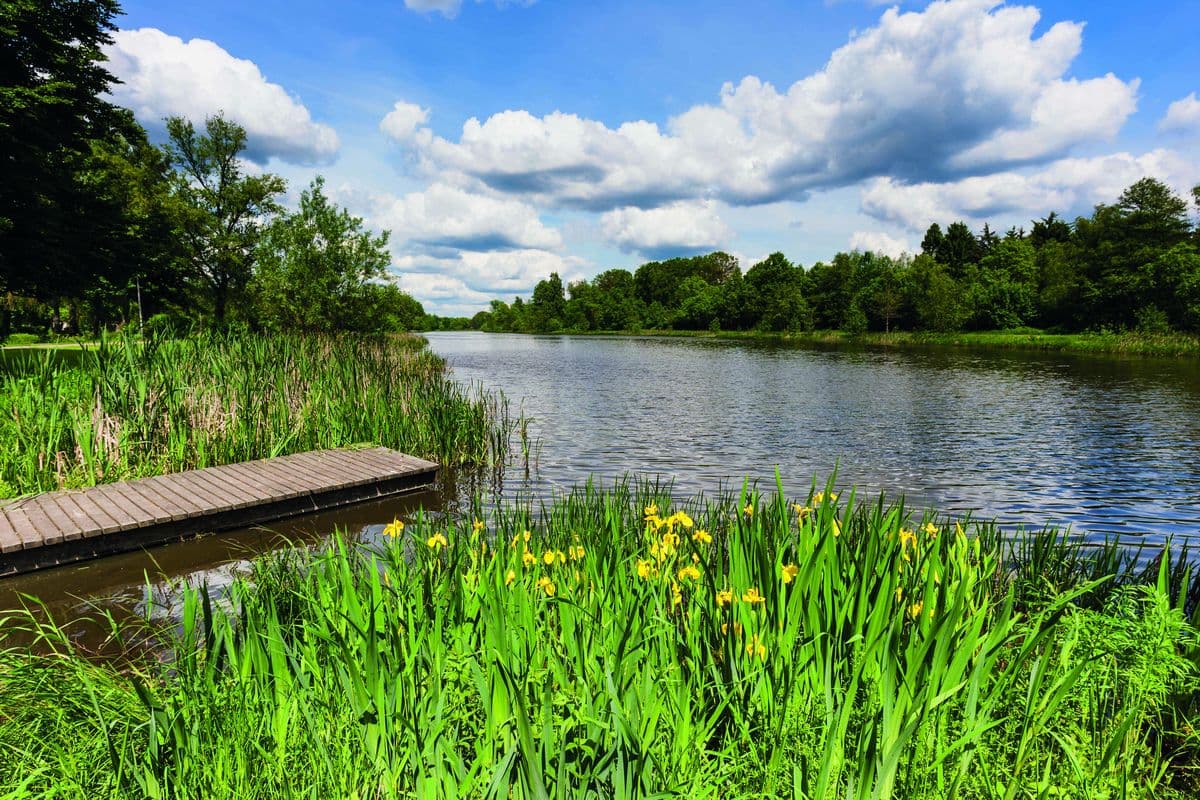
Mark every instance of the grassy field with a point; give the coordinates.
(126, 408)
(617, 645)
(1172, 345)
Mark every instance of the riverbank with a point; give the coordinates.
(620, 643)
(128, 408)
(1171, 345)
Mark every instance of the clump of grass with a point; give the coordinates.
(614, 645)
(129, 408)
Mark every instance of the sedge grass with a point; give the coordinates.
(611, 645)
(127, 408)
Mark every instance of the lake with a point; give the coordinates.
(1107, 445)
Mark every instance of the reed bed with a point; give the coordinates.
(615, 645)
(129, 408)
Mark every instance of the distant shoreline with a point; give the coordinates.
(1171, 345)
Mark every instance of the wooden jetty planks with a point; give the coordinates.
(59, 527)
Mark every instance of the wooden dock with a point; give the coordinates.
(65, 526)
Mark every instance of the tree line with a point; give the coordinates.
(100, 228)
(1132, 265)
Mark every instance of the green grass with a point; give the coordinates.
(615, 651)
(1173, 345)
(127, 408)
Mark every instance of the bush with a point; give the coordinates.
(22, 339)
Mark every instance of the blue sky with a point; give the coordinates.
(501, 140)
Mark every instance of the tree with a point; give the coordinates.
(959, 249)
(548, 305)
(934, 241)
(223, 207)
(314, 268)
(52, 79)
(1050, 228)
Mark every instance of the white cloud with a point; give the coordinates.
(462, 283)
(403, 121)
(880, 243)
(677, 229)
(1183, 116)
(962, 87)
(1068, 186)
(449, 8)
(445, 216)
(162, 75)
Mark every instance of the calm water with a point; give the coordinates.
(1106, 445)
(1103, 444)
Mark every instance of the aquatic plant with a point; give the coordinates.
(129, 408)
(619, 643)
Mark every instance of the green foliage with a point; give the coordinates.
(316, 268)
(129, 409)
(52, 79)
(1100, 272)
(615, 646)
(222, 208)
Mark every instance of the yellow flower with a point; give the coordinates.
(907, 538)
(737, 628)
(914, 610)
(748, 510)
(670, 541)
(689, 571)
(436, 541)
(651, 511)
(752, 595)
(802, 511)
(755, 647)
(701, 536)
(478, 526)
(528, 558)
(930, 529)
(548, 557)
(676, 594)
(695, 558)
(393, 528)
(645, 568)
(837, 528)
(683, 519)
(510, 576)
(521, 537)
(724, 597)
(546, 585)
(899, 593)
(577, 552)
(820, 497)
(790, 572)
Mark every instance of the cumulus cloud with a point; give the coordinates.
(450, 217)
(162, 75)
(963, 87)
(403, 121)
(880, 243)
(1070, 185)
(1183, 116)
(463, 282)
(678, 229)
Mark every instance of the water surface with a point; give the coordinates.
(1106, 445)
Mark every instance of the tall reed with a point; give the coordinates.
(613, 645)
(129, 408)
